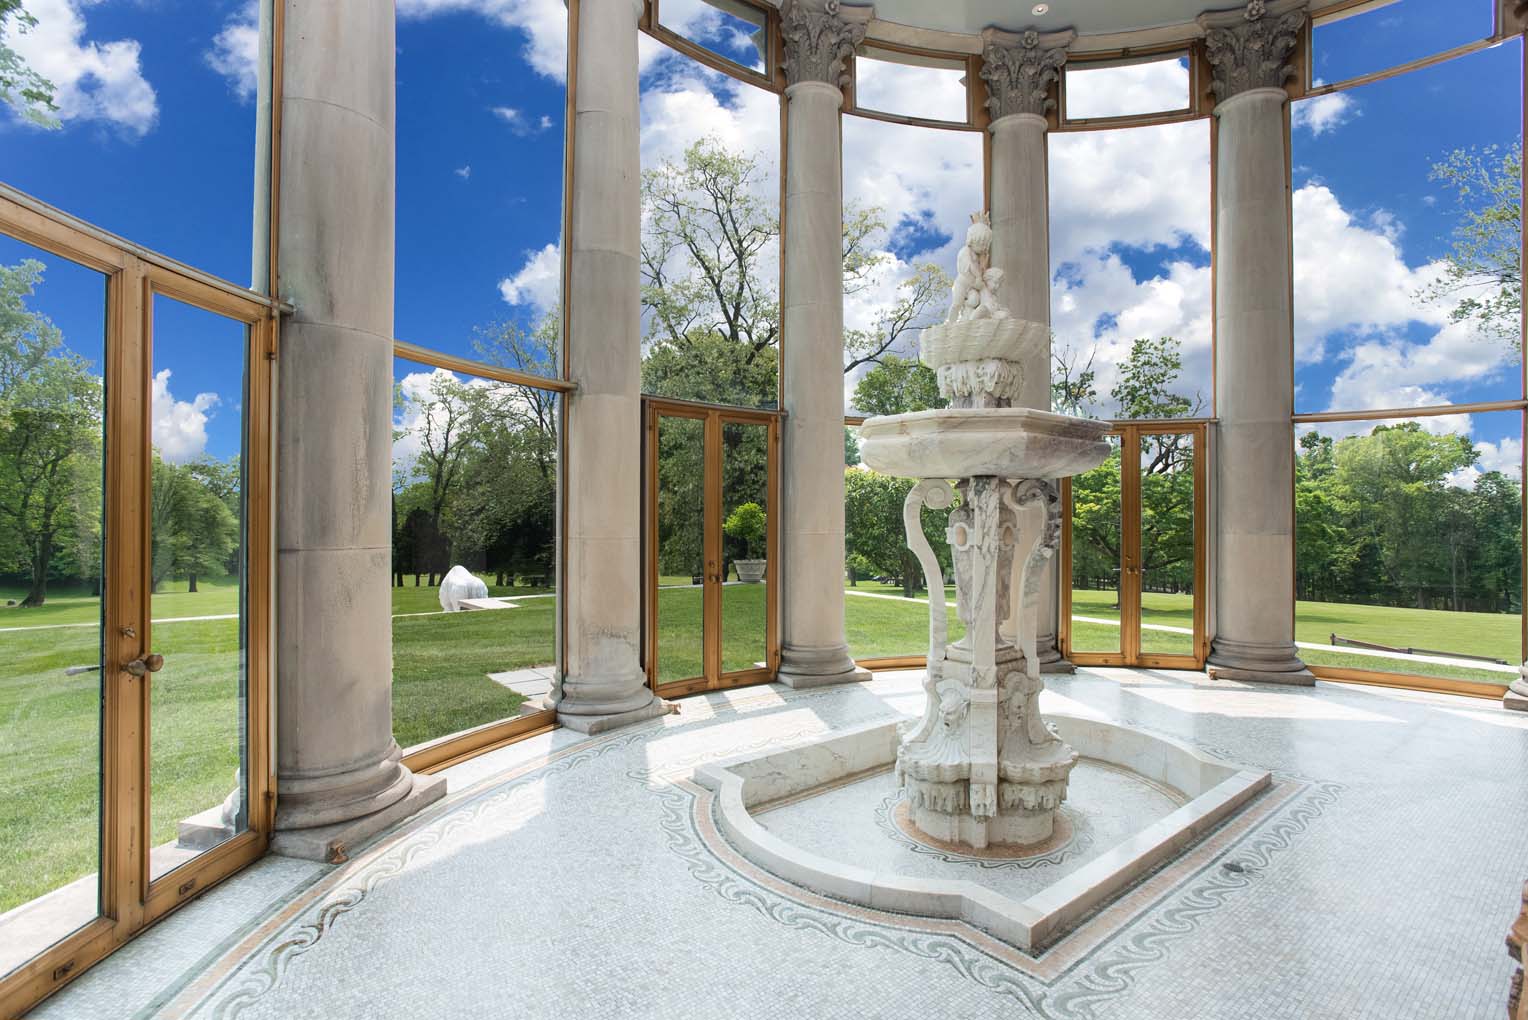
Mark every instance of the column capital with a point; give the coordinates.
(1515, 15)
(1020, 67)
(1249, 48)
(820, 36)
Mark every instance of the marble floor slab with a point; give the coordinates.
(567, 876)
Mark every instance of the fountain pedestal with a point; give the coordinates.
(982, 767)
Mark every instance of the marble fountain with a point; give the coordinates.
(964, 813)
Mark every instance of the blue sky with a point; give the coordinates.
(480, 129)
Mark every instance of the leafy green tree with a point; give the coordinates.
(748, 524)
(194, 532)
(898, 385)
(50, 441)
(21, 87)
(874, 539)
(1482, 276)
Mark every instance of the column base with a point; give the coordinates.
(334, 843)
(601, 723)
(1516, 697)
(1257, 662)
(1051, 659)
(801, 668)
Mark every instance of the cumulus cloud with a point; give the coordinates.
(543, 23)
(1323, 113)
(235, 52)
(100, 81)
(935, 93)
(464, 172)
(538, 283)
(180, 426)
(1155, 86)
(519, 122)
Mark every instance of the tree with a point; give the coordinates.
(1074, 386)
(194, 532)
(898, 385)
(50, 429)
(1482, 275)
(748, 524)
(917, 306)
(446, 416)
(874, 538)
(21, 87)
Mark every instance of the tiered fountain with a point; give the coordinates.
(982, 766)
(972, 835)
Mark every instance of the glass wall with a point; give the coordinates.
(710, 234)
(908, 85)
(474, 592)
(1135, 88)
(1408, 545)
(143, 121)
(1130, 265)
(1387, 35)
(481, 94)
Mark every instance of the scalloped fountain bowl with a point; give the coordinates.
(1005, 442)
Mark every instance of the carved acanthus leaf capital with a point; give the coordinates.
(1020, 68)
(820, 38)
(1250, 48)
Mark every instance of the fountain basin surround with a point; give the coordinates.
(743, 786)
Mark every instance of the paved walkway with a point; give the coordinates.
(1381, 888)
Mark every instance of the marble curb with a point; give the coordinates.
(743, 785)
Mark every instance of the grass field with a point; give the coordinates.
(49, 739)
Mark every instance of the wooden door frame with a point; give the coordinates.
(1130, 654)
(127, 902)
(713, 418)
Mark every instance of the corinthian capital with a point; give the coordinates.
(1020, 68)
(819, 39)
(1250, 48)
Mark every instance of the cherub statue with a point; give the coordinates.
(974, 293)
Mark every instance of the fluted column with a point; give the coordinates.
(1253, 515)
(602, 684)
(819, 37)
(338, 777)
(1021, 71)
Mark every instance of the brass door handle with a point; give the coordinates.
(151, 663)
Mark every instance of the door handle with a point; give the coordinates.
(151, 663)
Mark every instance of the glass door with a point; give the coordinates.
(710, 546)
(134, 557)
(1133, 546)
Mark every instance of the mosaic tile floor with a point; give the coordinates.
(567, 877)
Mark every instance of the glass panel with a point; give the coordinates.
(474, 580)
(52, 416)
(886, 598)
(1096, 536)
(162, 95)
(1408, 546)
(197, 706)
(1406, 287)
(1394, 33)
(1127, 90)
(1167, 544)
(710, 235)
(681, 548)
(490, 287)
(730, 29)
(745, 518)
(910, 86)
(1130, 258)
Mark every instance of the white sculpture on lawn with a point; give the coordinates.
(460, 583)
(982, 766)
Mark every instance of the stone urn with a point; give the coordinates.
(749, 571)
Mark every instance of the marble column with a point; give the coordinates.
(1253, 444)
(602, 684)
(1021, 70)
(338, 777)
(819, 38)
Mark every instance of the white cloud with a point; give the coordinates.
(92, 80)
(518, 122)
(1156, 86)
(935, 93)
(544, 23)
(464, 172)
(235, 52)
(538, 283)
(180, 427)
(1323, 113)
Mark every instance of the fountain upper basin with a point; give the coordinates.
(1006, 442)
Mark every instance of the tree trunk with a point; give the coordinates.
(191, 584)
(42, 556)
